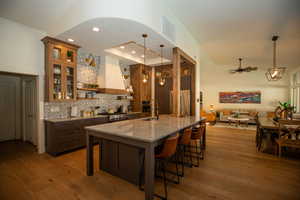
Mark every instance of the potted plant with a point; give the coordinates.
(287, 110)
(69, 56)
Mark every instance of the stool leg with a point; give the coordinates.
(197, 154)
(177, 171)
(165, 180)
(191, 156)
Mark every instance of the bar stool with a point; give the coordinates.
(161, 159)
(198, 138)
(184, 147)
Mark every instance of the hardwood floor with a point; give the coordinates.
(232, 169)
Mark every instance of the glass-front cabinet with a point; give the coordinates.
(60, 63)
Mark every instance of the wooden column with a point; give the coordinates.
(178, 54)
(193, 89)
(152, 91)
(176, 82)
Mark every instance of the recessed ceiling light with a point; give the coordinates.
(96, 29)
(133, 52)
(142, 56)
(70, 40)
(122, 47)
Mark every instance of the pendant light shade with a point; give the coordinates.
(275, 73)
(144, 73)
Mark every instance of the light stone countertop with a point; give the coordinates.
(75, 118)
(147, 131)
(80, 118)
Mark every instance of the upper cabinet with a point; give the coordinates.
(60, 69)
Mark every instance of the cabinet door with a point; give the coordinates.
(69, 82)
(56, 82)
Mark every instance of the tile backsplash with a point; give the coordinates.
(59, 110)
(85, 74)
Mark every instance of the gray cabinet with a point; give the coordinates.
(121, 160)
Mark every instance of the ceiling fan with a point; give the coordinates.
(240, 69)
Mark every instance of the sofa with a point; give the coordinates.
(222, 115)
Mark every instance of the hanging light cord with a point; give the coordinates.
(144, 51)
(274, 38)
(161, 54)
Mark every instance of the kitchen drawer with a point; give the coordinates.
(94, 121)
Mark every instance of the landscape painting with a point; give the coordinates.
(240, 97)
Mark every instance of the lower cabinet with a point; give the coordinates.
(121, 160)
(68, 135)
(65, 136)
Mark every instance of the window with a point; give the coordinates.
(295, 91)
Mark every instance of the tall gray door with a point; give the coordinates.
(29, 99)
(10, 116)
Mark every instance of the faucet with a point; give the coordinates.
(157, 111)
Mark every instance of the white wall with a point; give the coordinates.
(21, 51)
(215, 79)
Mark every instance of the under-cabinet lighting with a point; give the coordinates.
(70, 40)
(122, 47)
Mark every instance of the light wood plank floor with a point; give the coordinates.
(232, 169)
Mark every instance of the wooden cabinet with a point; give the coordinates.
(141, 90)
(68, 135)
(117, 158)
(60, 70)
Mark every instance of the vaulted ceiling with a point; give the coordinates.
(230, 29)
(225, 30)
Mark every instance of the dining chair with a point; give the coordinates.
(288, 135)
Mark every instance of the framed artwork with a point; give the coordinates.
(240, 97)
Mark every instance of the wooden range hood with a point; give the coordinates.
(112, 91)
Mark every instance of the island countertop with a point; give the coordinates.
(147, 131)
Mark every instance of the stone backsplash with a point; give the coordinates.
(59, 110)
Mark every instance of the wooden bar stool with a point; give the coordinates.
(198, 138)
(161, 159)
(184, 147)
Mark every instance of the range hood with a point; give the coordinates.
(110, 78)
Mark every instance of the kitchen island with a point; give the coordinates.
(143, 134)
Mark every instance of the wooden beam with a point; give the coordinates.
(186, 56)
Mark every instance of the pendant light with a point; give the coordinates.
(144, 73)
(162, 79)
(275, 73)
